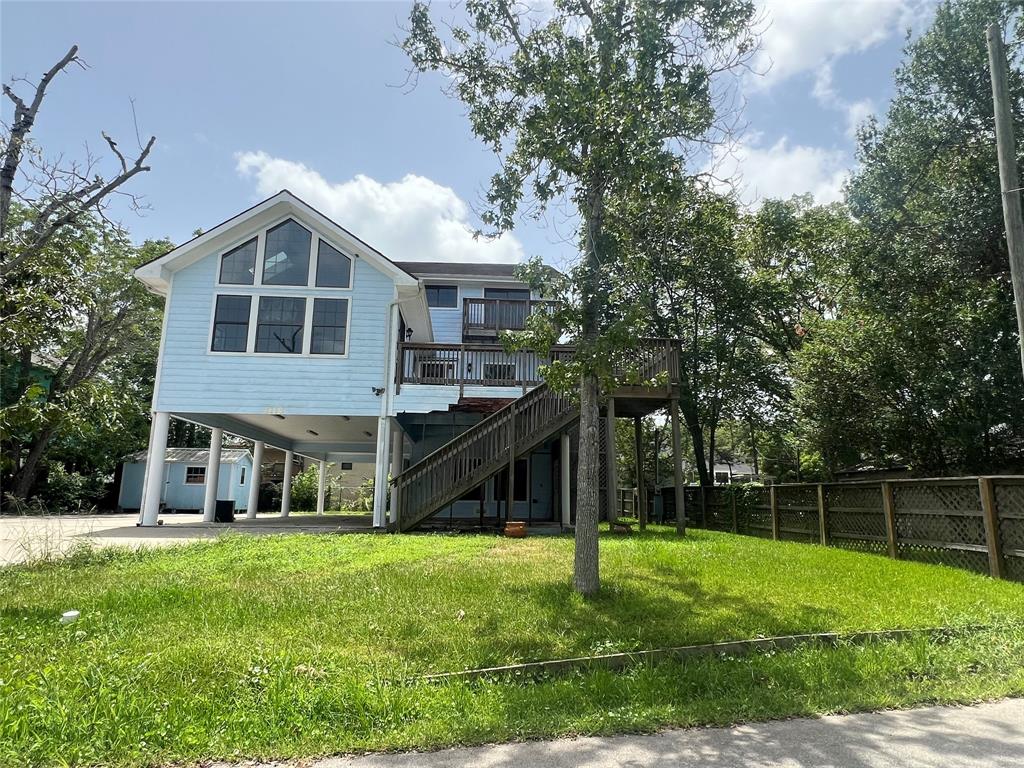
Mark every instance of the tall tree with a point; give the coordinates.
(76, 314)
(57, 195)
(918, 361)
(576, 103)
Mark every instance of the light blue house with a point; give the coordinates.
(284, 328)
(184, 485)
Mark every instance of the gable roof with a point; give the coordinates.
(155, 273)
(195, 455)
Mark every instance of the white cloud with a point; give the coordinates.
(414, 219)
(782, 170)
(802, 35)
(856, 112)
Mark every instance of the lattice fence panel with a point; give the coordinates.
(718, 508)
(798, 512)
(941, 523)
(602, 472)
(855, 518)
(1009, 497)
(753, 512)
(694, 515)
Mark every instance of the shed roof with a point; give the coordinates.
(195, 455)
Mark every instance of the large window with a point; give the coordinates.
(330, 321)
(279, 324)
(286, 255)
(238, 266)
(442, 296)
(231, 324)
(333, 268)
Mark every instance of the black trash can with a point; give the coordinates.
(224, 511)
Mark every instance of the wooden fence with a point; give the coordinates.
(975, 523)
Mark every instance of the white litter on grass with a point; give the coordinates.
(69, 617)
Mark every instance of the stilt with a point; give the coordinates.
(566, 473)
(286, 484)
(677, 467)
(612, 464)
(641, 484)
(212, 475)
(380, 476)
(321, 486)
(155, 475)
(254, 480)
(397, 459)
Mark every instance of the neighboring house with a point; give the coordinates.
(284, 328)
(184, 479)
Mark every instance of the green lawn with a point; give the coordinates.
(303, 645)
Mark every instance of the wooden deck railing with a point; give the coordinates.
(479, 452)
(489, 365)
(494, 443)
(486, 317)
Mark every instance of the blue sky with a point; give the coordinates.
(247, 97)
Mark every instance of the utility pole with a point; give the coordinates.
(1008, 178)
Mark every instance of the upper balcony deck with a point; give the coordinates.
(484, 318)
(467, 369)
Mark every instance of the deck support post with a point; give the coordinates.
(612, 495)
(397, 459)
(154, 485)
(380, 477)
(641, 483)
(321, 486)
(212, 475)
(566, 478)
(286, 484)
(254, 480)
(677, 466)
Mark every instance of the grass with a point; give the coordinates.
(296, 646)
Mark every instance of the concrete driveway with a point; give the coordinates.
(984, 736)
(30, 537)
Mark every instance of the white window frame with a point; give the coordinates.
(309, 292)
(189, 467)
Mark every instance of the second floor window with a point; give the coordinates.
(330, 320)
(442, 296)
(279, 324)
(231, 324)
(286, 255)
(238, 266)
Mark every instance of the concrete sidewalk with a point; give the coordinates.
(983, 736)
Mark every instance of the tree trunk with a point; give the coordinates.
(25, 477)
(585, 571)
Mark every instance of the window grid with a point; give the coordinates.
(195, 475)
(231, 323)
(238, 266)
(280, 324)
(329, 327)
(286, 254)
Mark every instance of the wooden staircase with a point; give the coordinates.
(495, 443)
(480, 453)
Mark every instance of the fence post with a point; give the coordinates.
(735, 522)
(773, 502)
(889, 508)
(822, 516)
(988, 513)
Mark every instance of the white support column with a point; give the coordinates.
(397, 455)
(254, 480)
(380, 476)
(286, 484)
(155, 464)
(212, 475)
(566, 477)
(321, 486)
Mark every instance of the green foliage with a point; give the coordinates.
(70, 492)
(326, 665)
(916, 358)
(304, 488)
(75, 314)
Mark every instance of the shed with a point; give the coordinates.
(184, 485)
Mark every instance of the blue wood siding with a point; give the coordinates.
(192, 379)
